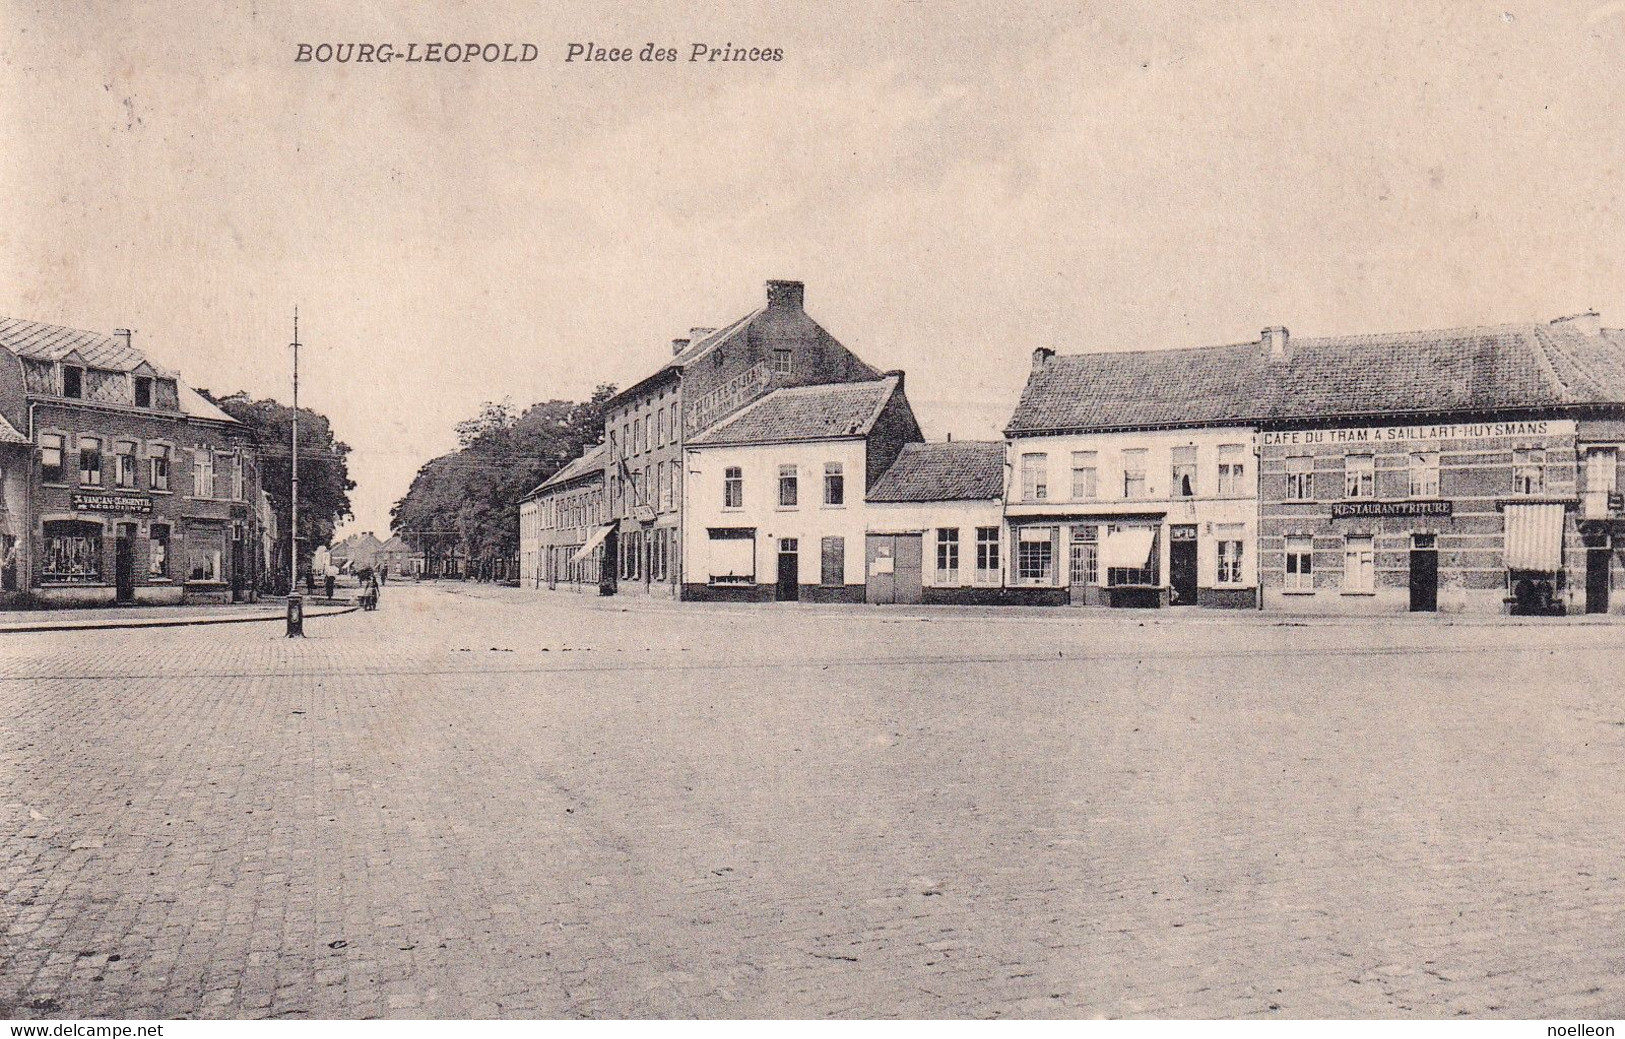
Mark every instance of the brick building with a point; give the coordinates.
(563, 527)
(710, 374)
(120, 483)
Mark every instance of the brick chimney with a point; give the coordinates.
(1276, 343)
(696, 334)
(788, 295)
(1588, 323)
(123, 336)
(1041, 357)
(678, 346)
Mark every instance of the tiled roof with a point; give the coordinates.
(44, 342)
(196, 405)
(9, 434)
(843, 409)
(1405, 373)
(957, 471)
(589, 464)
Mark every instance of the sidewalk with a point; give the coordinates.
(99, 618)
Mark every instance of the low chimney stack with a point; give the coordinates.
(122, 335)
(678, 346)
(1277, 343)
(1041, 357)
(788, 295)
(696, 334)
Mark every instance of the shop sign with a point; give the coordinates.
(84, 502)
(1397, 434)
(1380, 509)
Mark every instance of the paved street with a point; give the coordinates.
(484, 802)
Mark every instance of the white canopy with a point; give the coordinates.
(1127, 549)
(593, 542)
(1534, 537)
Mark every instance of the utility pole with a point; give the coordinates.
(296, 605)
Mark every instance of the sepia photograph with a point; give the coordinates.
(735, 511)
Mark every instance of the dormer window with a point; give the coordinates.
(73, 381)
(143, 391)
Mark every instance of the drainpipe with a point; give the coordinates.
(1258, 523)
(26, 583)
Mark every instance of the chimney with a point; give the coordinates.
(1588, 323)
(785, 294)
(1276, 342)
(696, 334)
(123, 336)
(678, 346)
(1041, 357)
(896, 373)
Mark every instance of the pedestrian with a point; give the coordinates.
(383, 576)
(370, 597)
(332, 578)
(310, 581)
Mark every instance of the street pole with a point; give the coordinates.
(296, 605)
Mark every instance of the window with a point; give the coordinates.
(1424, 474)
(1230, 548)
(50, 458)
(787, 487)
(1034, 476)
(987, 554)
(1359, 565)
(1117, 576)
(947, 555)
(1035, 555)
(90, 461)
(1134, 485)
(1602, 470)
(124, 463)
(224, 465)
(73, 552)
(1359, 476)
(1300, 478)
(1529, 471)
(733, 487)
(834, 484)
(158, 456)
(158, 551)
(143, 391)
(1085, 474)
(73, 381)
(1300, 564)
(783, 362)
(204, 548)
(1232, 470)
(660, 428)
(833, 572)
(237, 477)
(1184, 472)
(668, 481)
(202, 473)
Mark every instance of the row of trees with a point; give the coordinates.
(463, 503)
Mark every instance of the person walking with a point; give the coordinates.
(332, 578)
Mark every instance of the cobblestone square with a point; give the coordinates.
(487, 802)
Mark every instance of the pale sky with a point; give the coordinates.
(956, 183)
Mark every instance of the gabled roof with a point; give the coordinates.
(395, 544)
(591, 463)
(43, 342)
(1494, 368)
(196, 405)
(801, 413)
(964, 470)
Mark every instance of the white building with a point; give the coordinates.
(935, 526)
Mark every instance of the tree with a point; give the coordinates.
(324, 472)
(467, 500)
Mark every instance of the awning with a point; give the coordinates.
(1534, 537)
(1129, 548)
(593, 542)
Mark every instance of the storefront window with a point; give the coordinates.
(73, 552)
(1035, 555)
(204, 551)
(158, 551)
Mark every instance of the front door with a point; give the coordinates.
(1182, 565)
(124, 563)
(789, 589)
(239, 565)
(880, 566)
(1424, 576)
(1597, 566)
(1083, 565)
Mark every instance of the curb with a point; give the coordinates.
(160, 622)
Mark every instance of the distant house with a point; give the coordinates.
(564, 534)
(356, 552)
(396, 556)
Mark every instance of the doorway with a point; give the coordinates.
(124, 563)
(1424, 573)
(1598, 564)
(789, 588)
(893, 566)
(1182, 565)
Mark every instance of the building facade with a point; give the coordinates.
(711, 374)
(935, 528)
(564, 530)
(775, 501)
(127, 485)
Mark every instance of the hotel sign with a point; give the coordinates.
(1399, 434)
(1379, 509)
(83, 502)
